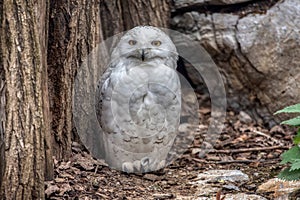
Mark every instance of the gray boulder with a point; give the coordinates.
(187, 3)
(257, 54)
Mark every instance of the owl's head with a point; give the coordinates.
(146, 44)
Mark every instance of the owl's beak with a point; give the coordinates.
(143, 54)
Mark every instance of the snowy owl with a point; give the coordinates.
(138, 101)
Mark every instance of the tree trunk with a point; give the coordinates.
(120, 15)
(2, 121)
(22, 43)
(2, 107)
(43, 33)
(74, 30)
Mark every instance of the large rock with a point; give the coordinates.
(258, 54)
(186, 3)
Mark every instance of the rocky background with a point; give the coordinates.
(255, 44)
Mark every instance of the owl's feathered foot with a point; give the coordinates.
(142, 166)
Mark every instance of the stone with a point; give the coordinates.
(244, 117)
(186, 3)
(207, 187)
(271, 44)
(231, 187)
(240, 196)
(279, 188)
(256, 52)
(223, 175)
(184, 127)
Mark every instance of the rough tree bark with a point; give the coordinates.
(2, 107)
(24, 123)
(43, 33)
(2, 120)
(74, 30)
(118, 16)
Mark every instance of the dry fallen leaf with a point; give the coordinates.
(51, 190)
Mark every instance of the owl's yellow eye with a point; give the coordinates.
(132, 42)
(156, 43)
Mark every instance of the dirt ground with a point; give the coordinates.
(249, 147)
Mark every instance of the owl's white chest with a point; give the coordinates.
(141, 100)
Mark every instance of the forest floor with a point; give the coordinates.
(249, 147)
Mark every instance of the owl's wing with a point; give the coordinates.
(102, 88)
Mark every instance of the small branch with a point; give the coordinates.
(235, 161)
(163, 196)
(267, 136)
(247, 150)
(225, 161)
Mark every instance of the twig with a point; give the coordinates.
(235, 161)
(163, 196)
(225, 161)
(267, 136)
(102, 195)
(246, 150)
(218, 196)
(96, 169)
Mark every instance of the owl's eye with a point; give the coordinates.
(156, 43)
(132, 42)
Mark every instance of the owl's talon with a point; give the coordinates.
(137, 166)
(161, 165)
(127, 167)
(145, 161)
